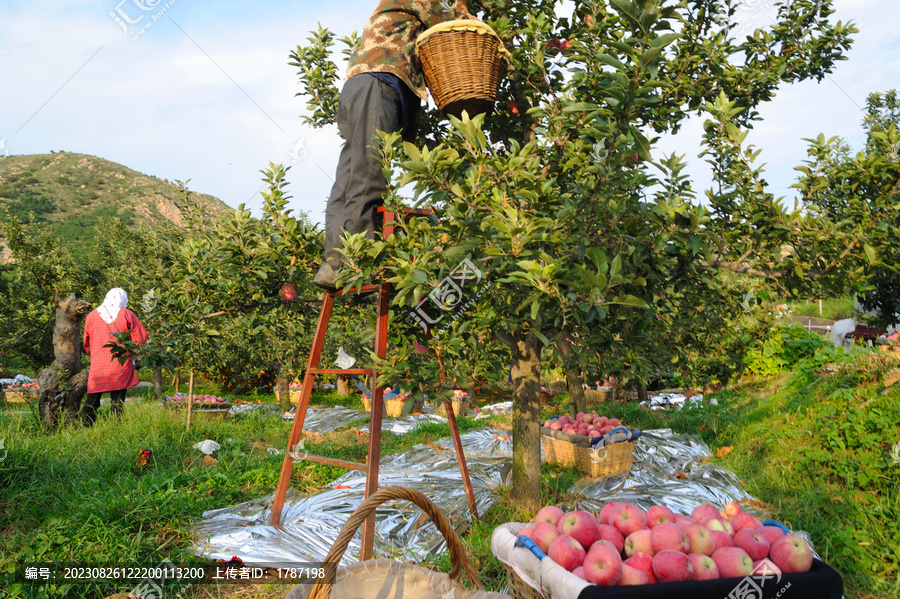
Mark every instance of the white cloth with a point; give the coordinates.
(115, 300)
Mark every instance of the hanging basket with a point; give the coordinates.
(463, 62)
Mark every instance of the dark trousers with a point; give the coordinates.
(366, 104)
(92, 402)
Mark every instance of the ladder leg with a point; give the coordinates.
(300, 415)
(381, 327)
(461, 458)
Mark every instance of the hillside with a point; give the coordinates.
(73, 191)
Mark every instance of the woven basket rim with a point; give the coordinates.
(457, 25)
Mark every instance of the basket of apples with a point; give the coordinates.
(595, 445)
(657, 553)
(461, 402)
(202, 403)
(294, 392)
(22, 393)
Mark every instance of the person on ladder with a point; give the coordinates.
(382, 92)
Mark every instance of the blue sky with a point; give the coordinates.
(206, 94)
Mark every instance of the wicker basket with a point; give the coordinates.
(600, 395)
(395, 407)
(460, 408)
(606, 461)
(518, 588)
(463, 62)
(458, 558)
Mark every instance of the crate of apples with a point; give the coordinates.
(624, 545)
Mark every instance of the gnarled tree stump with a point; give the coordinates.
(64, 384)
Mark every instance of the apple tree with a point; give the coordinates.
(559, 208)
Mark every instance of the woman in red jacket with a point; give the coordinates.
(106, 373)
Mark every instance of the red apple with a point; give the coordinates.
(514, 110)
(723, 539)
(612, 534)
(543, 535)
(770, 533)
(567, 552)
(288, 292)
(604, 513)
(716, 523)
(702, 512)
(603, 564)
(672, 566)
(644, 563)
(756, 546)
(528, 531)
(702, 540)
(668, 536)
(579, 572)
(733, 562)
(744, 520)
(549, 514)
(732, 509)
(581, 526)
(683, 521)
(639, 542)
(657, 514)
(632, 577)
(791, 554)
(704, 567)
(628, 518)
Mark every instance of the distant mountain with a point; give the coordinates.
(73, 191)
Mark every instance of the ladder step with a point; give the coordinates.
(341, 371)
(352, 290)
(334, 462)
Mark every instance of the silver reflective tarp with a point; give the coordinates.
(311, 523)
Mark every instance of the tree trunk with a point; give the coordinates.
(343, 385)
(525, 485)
(283, 388)
(642, 392)
(573, 376)
(158, 382)
(63, 385)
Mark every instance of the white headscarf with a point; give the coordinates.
(115, 299)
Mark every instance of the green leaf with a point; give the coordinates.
(419, 276)
(870, 253)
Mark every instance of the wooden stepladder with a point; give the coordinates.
(312, 369)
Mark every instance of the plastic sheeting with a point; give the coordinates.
(665, 401)
(311, 523)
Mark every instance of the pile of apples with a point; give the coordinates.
(198, 398)
(628, 546)
(590, 425)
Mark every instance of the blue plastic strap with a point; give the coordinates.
(778, 524)
(524, 541)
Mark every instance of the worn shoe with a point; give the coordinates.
(326, 277)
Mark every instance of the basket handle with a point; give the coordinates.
(458, 556)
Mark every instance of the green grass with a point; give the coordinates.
(813, 445)
(832, 308)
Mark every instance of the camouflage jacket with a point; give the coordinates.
(388, 43)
